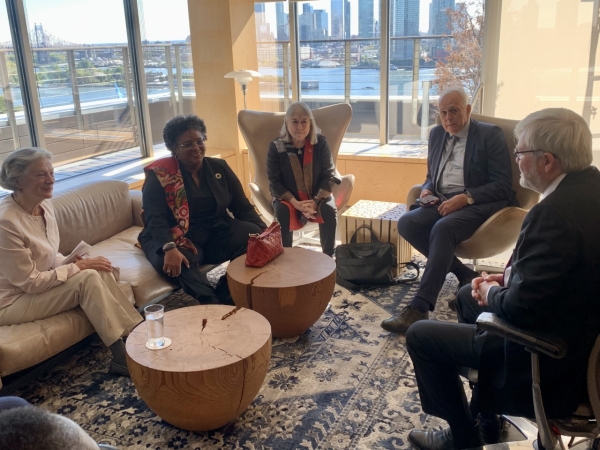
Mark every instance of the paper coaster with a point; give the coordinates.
(167, 343)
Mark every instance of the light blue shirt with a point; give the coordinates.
(452, 178)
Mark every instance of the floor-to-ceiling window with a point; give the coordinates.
(274, 54)
(82, 76)
(14, 132)
(342, 48)
(168, 63)
(94, 78)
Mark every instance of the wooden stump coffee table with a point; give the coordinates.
(292, 291)
(212, 370)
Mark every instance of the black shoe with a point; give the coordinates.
(489, 427)
(462, 282)
(401, 322)
(437, 440)
(452, 303)
(118, 369)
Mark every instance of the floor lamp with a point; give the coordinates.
(243, 77)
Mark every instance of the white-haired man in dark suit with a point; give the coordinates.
(469, 173)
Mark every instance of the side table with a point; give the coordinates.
(212, 370)
(291, 291)
(382, 217)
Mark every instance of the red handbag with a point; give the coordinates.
(264, 247)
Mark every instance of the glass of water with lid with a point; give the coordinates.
(155, 325)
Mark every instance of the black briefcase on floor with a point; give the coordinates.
(369, 263)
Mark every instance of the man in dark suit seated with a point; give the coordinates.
(549, 288)
(469, 173)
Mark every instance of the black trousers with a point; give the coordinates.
(438, 350)
(214, 251)
(326, 229)
(436, 237)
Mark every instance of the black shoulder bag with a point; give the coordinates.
(368, 264)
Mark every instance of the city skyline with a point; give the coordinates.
(166, 24)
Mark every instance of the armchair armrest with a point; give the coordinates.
(413, 195)
(540, 343)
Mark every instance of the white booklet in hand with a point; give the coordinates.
(82, 249)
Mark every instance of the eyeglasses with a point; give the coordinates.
(518, 155)
(191, 144)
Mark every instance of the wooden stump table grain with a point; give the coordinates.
(210, 373)
(291, 291)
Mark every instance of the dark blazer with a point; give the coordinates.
(281, 176)
(552, 288)
(487, 169)
(226, 188)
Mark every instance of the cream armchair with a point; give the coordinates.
(260, 128)
(500, 232)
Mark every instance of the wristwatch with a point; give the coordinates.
(470, 199)
(168, 246)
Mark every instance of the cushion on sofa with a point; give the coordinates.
(147, 285)
(24, 345)
(92, 213)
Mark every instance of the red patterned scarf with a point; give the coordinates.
(169, 175)
(303, 178)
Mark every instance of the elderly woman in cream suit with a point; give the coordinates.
(33, 283)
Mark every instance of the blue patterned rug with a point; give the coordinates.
(344, 384)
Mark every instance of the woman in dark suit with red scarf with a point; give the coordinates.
(186, 199)
(300, 169)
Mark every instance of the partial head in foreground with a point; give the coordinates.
(33, 428)
(550, 142)
(299, 123)
(454, 109)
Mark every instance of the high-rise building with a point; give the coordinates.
(340, 19)
(337, 19)
(307, 8)
(263, 29)
(322, 23)
(347, 19)
(438, 17)
(281, 19)
(404, 21)
(366, 21)
(439, 24)
(307, 23)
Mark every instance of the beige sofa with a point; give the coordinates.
(106, 215)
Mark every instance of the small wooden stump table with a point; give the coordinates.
(292, 291)
(212, 370)
(383, 218)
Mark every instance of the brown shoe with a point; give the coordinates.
(401, 322)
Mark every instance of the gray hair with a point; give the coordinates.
(458, 89)
(15, 166)
(559, 131)
(292, 110)
(33, 428)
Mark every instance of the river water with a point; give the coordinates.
(330, 82)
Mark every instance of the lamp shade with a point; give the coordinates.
(243, 76)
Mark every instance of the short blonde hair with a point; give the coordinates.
(559, 131)
(293, 110)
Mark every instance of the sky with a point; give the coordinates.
(104, 22)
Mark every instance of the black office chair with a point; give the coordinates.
(583, 423)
